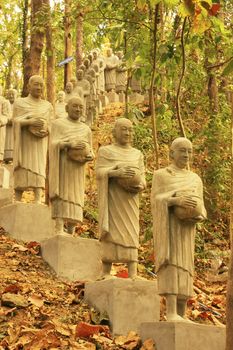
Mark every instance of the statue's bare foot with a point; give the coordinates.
(107, 277)
(137, 278)
(175, 318)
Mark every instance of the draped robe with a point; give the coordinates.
(3, 119)
(118, 208)
(30, 152)
(111, 63)
(173, 238)
(67, 177)
(9, 141)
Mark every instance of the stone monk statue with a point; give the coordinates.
(120, 178)
(177, 205)
(9, 142)
(111, 63)
(31, 122)
(4, 115)
(70, 149)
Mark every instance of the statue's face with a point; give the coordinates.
(109, 52)
(95, 55)
(69, 88)
(123, 133)
(36, 87)
(75, 109)
(61, 96)
(182, 154)
(80, 74)
(11, 96)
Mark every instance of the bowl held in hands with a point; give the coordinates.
(39, 131)
(131, 182)
(188, 213)
(79, 155)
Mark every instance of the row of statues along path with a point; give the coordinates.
(177, 205)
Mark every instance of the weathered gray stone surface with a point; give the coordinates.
(112, 97)
(184, 336)
(73, 258)
(4, 177)
(5, 196)
(128, 303)
(28, 222)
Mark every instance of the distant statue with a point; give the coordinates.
(9, 142)
(111, 62)
(68, 91)
(31, 120)
(120, 178)
(70, 149)
(86, 64)
(84, 84)
(60, 105)
(121, 74)
(5, 114)
(177, 205)
(101, 76)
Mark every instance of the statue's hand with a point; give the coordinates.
(125, 172)
(78, 145)
(185, 202)
(136, 189)
(38, 123)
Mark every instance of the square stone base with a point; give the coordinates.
(27, 222)
(128, 303)
(184, 336)
(121, 97)
(6, 196)
(136, 98)
(113, 97)
(104, 100)
(4, 177)
(73, 258)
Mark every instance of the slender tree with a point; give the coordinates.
(79, 37)
(68, 41)
(33, 59)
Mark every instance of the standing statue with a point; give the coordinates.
(70, 149)
(111, 62)
(68, 91)
(177, 205)
(121, 76)
(4, 115)
(31, 121)
(60, 110)
(101, 76)
(9, 142)
(120, 177)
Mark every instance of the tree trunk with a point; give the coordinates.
(79, 39)
(229, 305)
(9, 71)
(50, 79)
(25, 51)
(151, 90)
(33, 59)
(68, 41)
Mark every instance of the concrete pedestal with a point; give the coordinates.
(121, 97)
(28, 222)
(113, 97)
(136, 98)
(4, 177)
(10, 168)
(128, 303)
(72, 257)
(6, 196)
(104, 100)
(184, 336)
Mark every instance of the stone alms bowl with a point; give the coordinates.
(130, 182)
(189, 213)
(39, 131)
(79, 155)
